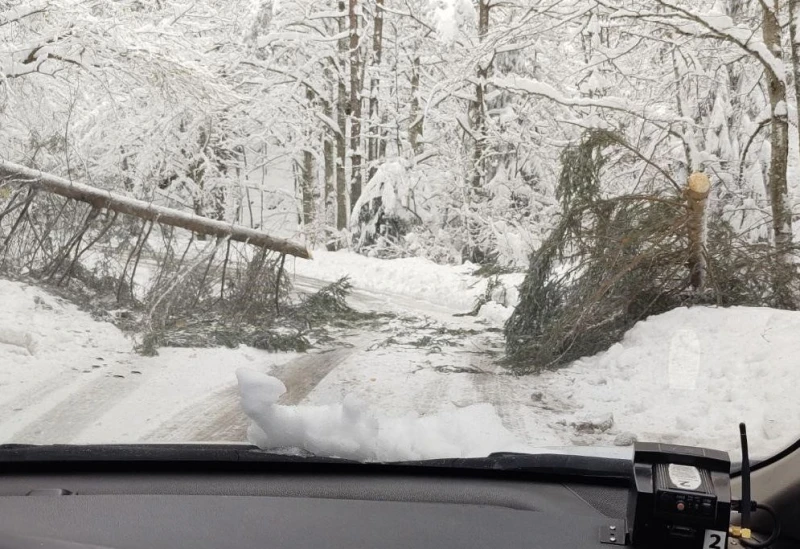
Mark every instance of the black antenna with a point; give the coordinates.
(745, 510)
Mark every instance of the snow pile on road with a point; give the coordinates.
(351, 430)
(446, 285)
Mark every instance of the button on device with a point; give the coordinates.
(681, 506)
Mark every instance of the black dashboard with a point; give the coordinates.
(236, 496)
(203, 505)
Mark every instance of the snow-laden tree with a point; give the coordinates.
(407, 127)
(695, 87)
(129, 95)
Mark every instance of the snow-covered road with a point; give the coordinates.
(219, 416)
(425, 383)
(95, 389)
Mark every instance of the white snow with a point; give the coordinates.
(688, 376)
(351, 430)
(449, 15)
(450, 286)
(543, 89)
(724, 26)
(685, 377)
(67, 378)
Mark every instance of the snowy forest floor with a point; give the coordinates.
(687, 376)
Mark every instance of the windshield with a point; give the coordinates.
(399, 230)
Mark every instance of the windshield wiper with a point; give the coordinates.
(545, 463)
(563, 464)
(33, 453)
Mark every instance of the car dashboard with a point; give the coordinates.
(202, 505)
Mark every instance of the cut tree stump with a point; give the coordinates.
(697, 190)
(100, 199)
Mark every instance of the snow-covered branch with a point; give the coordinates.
(703, 25)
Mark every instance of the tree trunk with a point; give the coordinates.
(329, 155)
(794, 41)
(101, 199)
(415, 114)
(689, 163)
(341, 120)
(309, 177)
(355, 104)
(778, 188)
(373, 148)
(479, 106)
(127, 182)
(697, 196)
(308, 183)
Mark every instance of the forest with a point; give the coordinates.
(631, 156)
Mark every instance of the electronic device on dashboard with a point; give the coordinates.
(680, 497)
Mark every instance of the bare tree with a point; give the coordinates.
(309, 179)
(415, 123)
(794, 43)
(329, 156)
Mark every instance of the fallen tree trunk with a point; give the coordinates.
(167, 216)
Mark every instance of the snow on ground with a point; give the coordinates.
(454, 287)
(686, 377)
(404, 388)
(351, 430)
(65, 377)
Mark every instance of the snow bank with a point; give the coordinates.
(37, 330)
(351, 430)
(45, 344)
(68, 378)
(689, 376)
(446, 285)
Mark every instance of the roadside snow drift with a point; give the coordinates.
(68, 378)
(691, 375)
(40, 332)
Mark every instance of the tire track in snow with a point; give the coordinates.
(64, 421)
(41, 390)
(23, 408)
(496, 389)
(219, 416)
